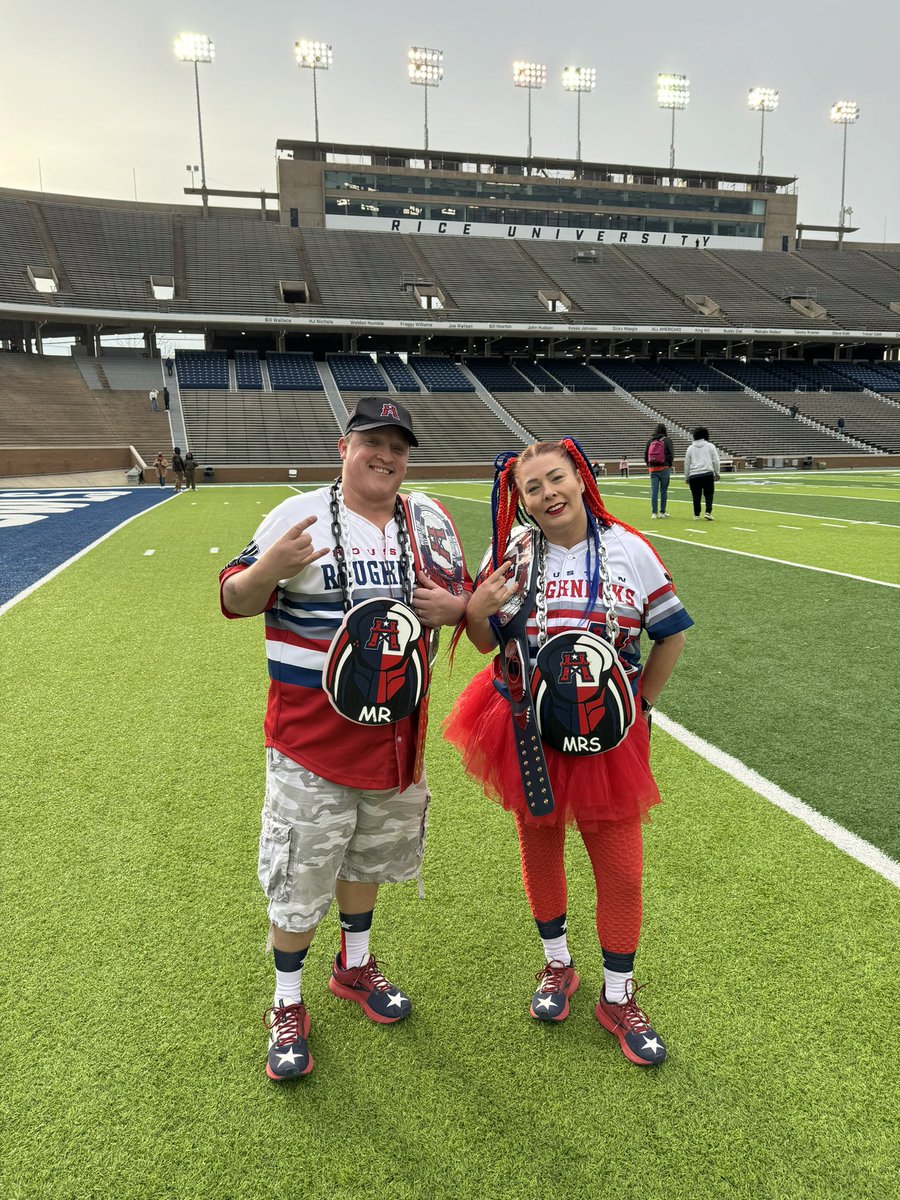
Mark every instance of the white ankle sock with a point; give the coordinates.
(614, 984)
(287, 987)
(557, 950)
(355, 950)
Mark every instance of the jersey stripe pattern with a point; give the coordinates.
(302, 617)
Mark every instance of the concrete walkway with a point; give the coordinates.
(78, 479)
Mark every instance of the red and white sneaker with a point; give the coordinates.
(379, 999)
(640, 1042)
(557, 983)
(289, 1056)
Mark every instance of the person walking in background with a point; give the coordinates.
(169, 366)
(659, 456)
(166, 398)
(623, 466)
(840, 425)
(701, 470)
(161, 467)
(154, 400)
(595, 584)
(178, 468)
(190, 471)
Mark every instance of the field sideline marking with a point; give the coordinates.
(33, 587)
(856, 847)
(783, 562)
(778, 512)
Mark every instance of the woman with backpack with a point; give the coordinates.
(659, 457)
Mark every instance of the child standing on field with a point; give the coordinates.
(623, 467)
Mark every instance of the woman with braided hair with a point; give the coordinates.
(595, 584)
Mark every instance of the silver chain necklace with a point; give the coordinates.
(340, 531)
(612, 618)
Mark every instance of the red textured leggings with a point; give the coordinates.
(617, 858)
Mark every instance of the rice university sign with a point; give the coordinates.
(589, 238)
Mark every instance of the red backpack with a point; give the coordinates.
(656, 453)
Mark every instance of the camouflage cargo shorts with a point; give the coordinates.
(315, 832)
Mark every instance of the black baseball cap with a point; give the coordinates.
(374, 412)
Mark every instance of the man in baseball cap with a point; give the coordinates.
(373, 412)
(345, 800)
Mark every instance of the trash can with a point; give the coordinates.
(208, 473)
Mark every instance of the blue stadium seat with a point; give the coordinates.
(440, 374)
(356, 372)
(202, 369)
(247, 372)
(398, 373)
(293, 372)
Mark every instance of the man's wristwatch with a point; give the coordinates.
(646, 706)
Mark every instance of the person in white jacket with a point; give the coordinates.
(701, 470)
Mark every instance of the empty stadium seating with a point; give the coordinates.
(356, 372)
(399, 373)
(247, 372)
(543, 381)
(439, 374)
(206, 369)
(496, 375)
(574, 376)
(293, 372)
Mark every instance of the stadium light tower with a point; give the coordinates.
(762, 100)
(532, 76)
(844, 112)
(426, 69)
(197, 48)
(674, 92)
(315, 56)
(578, 80)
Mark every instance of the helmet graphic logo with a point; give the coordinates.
(582, 698)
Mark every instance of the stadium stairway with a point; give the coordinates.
(333, 394)
(488, 400)
(645, 408)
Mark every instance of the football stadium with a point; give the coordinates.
(500, 300)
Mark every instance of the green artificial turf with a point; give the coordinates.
(133, 926)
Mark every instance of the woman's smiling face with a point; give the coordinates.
(551, 491)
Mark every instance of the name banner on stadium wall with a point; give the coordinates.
(589, 238)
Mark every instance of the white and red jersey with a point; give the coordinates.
(645, 597)
(302, 617)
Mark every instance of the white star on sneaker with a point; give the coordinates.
(652, 1044)
(545, 1003)
(288, 1057)
(396, 1001)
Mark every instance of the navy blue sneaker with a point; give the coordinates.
(640, 1042)
(379, 999)
(289, 1056)
(557, 983)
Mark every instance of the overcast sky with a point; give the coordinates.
(94, 91)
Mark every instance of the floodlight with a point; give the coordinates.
(426, 69)
(578, 80)
(762, 100)
(315, 56)
(533, 76)
(674, 92)
(197, 48)
(844, 112)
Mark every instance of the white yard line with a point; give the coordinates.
(33, 587)
(776, 512)
(784, 562)
(798, 527)
(864, 852)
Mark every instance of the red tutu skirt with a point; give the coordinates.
(587, 789)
